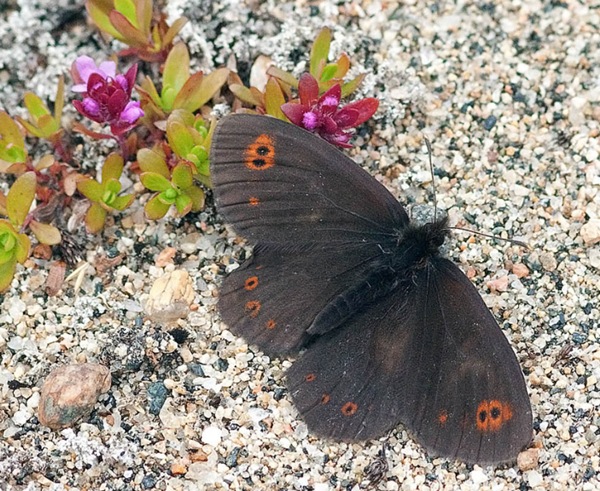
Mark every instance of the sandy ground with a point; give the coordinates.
(508, 93)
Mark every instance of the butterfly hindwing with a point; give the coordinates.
(429, 355)
(276, 295)
(277, 183)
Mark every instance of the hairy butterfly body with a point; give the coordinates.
(393, 331)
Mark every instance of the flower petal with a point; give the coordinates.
(332, 96)
(308, 89)
(294, 112)
(365, 107)
(346, 117)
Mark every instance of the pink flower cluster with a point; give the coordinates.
(322, 116)
(106, 94)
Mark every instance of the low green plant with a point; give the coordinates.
(180, 89)
(131, 22)
(172, 186)
(104, 195)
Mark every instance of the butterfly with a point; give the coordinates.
(392, 332)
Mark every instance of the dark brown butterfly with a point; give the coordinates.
(393, 331)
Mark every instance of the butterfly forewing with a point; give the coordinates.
(284, 185)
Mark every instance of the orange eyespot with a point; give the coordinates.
(492, 415)
(253, 201)
(324, 399)
(310, 377)
(260, 155)
(443, 417)
(252, 308)
(251, 283)
(349, 409)
(271, 324)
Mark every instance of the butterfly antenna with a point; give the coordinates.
(476, 232)
(432, 178)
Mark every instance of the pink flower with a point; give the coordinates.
(321, 115)
(107, 96)
(84, 66)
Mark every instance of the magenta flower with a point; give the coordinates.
(107, 95)
(322, 116)
(84, 66)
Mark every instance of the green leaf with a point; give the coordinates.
(197, 196)
(23, 248)
(320, 52)
(183, 176)
(179, 138)
(47, 124)
(183, 203)
(19, 198)
(7, 273)
(144, 15)
(173, 31)
(35, 106)
(155, 209)
(328, 72)
(59, 102)
(91, 189)
(244, 94)
(198, 91)
(155, 182)
(45, 233)
(285, 77)
(94, 220)
(343, 65)
(152, 161)
(351, 86)
(274, 99)
(122, 202)
(148, 91)
(3, 204)
(112, 168)
(113, 186)
(10, 132)
(130, 34)
(99, 10)
(127, 8)
(177, 68)
(31, 129)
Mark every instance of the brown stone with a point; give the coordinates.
(520, 270)
(177, 469)
(198, 456)
(69, 393)
(170, 297)
(528, 459)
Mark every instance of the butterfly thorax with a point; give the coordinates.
(417, 243)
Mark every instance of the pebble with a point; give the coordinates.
(165, 257)
(70, 393)
(178, 469)
(211, 435)
(170, 297)
(528, 459)
(548, 261)
(232, 457)
(520, 270)
(590, 232)
(157, 395)
(533, 478)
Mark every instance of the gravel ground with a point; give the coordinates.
(508, 93)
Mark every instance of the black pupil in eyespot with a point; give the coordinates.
(262, 150)
(259, 162)
(495, 413)
(482, 416)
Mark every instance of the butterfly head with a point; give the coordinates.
(424, 240)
